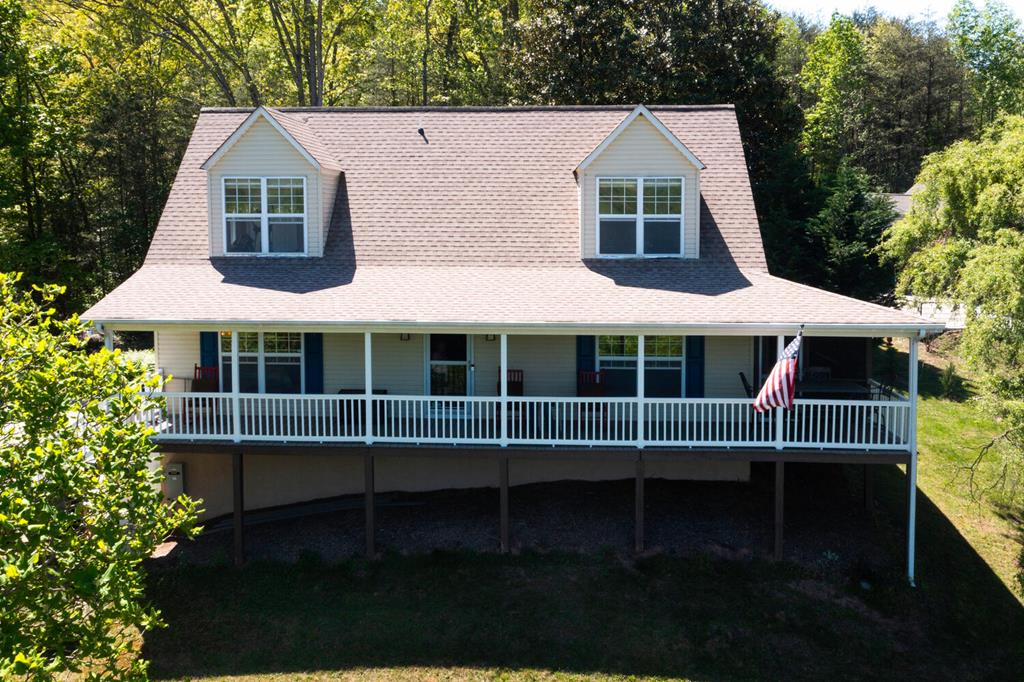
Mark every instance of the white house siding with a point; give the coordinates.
(724, 358)
(263, 151)
(398, 366)
(177, 354)
(272, 480)
(641, 150)
(343, 362)
(548, 364)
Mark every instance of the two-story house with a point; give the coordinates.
(351, 300)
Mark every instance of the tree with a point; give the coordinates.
(916, 101)
(990, 43)
(963, 242)
(847, 231)
(834, 79)
(80, 507)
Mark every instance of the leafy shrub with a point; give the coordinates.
(80, 508)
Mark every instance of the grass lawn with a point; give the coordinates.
(565, 616)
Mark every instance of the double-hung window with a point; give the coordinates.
(265, 216)
(268, 362)
(663, 365)
(639, 217)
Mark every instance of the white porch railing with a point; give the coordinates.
(666, 422)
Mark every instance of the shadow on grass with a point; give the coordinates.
(672, 616)
(890, 366)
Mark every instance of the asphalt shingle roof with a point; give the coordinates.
(475, 222)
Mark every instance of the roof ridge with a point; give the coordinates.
(476, 109)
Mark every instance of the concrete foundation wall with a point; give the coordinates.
(272, 480)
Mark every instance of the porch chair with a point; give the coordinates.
(206, 379)
(590, 384)
(515, 382)
(747, 388)
(204, 412)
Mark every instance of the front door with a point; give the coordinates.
(450, 371)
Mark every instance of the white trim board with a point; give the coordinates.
(260, 113)
(641, 110)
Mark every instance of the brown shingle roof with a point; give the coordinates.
(476, 223)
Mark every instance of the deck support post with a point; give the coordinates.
(503, 502)
(238, 505)
(780, 415)
(640, 476)
(869, 486)
(912, 461)
(236, 402)
(368, 499)
(503, 382)
(780, 480)
(368, 385)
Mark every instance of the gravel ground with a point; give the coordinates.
(826, 523)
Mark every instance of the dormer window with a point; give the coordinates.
(265, 216)
(639, 217)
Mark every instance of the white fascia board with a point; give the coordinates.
(641, 110)
(260, 113)
(535, 328)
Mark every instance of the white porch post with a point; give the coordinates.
(503, 380)
(780, 417)
(368, 384)
(640, 389)
(108, 338)
(912, 462)
(236, 414)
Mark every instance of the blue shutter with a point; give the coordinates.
(313, 345)
(586, 353)
(694, 366)
(209, 353)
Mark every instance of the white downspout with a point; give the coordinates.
(912, 463)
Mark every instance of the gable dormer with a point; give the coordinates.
(271, 188)
(640, 193)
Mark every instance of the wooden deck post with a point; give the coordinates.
(640, 476)
(869, 487)
(503, 502)
(238, 504)
(368, 498)
(780, 473)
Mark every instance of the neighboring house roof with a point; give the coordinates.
(901, 201)
(474, 222)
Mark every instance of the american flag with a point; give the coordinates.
(778, 388)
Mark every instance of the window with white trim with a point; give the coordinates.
(663, 365)
(639, 217)
(268, 362)
(265, 216)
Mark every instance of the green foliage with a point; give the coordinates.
(80, 506)
(949, 381)
(847, 230)
(834, 77)
(963, 242)
(990, 43)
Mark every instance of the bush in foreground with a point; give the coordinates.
(80, 506)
